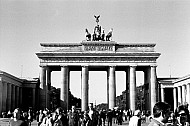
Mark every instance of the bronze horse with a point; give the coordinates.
(88, 35)
(109, 35)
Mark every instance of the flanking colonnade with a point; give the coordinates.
(10, 95)
(149, 77)
(16, 92)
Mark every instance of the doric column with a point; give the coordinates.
(188, 94)
(33, 98)
(5, 96)
(153, 86)
(43, 88)
(179, 95)
(175, 97)
(1, 94)
(48, 86)
(9, 94)
(147, 88)
(183, 94)
(127, 88)
(43, 78)
(20, 94)
(112, 87)
(17, 96)
(108, 87)
(84, 91)
(162, 94)
(13, 97)
(132, 87)
(64, 87)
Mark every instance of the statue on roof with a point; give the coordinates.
(98, 33)
(97, 18)
(88, 35)
(109, 35)
(97, 30)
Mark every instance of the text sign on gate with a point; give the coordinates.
(98, 48)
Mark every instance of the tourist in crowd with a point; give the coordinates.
(47, 119)
(25, 117)
(114, 116)
(3, 115)
(84, 119)
(17, 120)
(62, 115)
(129, 114)
(30, 116)
(181, 116)
(73, 117)
(40, 117)
(120, 117)
(55, 120)
(93, 114)
(9, 114)
(103, 117)
(161, 113)
(109, 117)
(135, 120)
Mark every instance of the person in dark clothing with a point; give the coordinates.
(73, 117)
(109, 117)
(103, 117)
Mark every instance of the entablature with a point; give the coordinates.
(97, 46)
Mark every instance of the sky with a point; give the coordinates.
(26, 24)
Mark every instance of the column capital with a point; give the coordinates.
(153, 65)
(112, 66)
(43, 66)
(63, 65)
(133, 66)
(85, 66)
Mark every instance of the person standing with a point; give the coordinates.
(135, 120)
(40, 117)
(16, 120)
(161, 113)
(109, 117)
(181, 116)
(73, 117)
(93, 114)
(55, 120)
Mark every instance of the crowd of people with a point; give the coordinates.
(162, 116)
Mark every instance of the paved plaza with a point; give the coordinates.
(4, 122)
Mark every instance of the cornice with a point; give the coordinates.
(182, 79)
(66, 44)
(4, 74)
(83, 54)
(137, 44)
(61, 44)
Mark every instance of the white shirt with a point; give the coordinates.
(134, 121)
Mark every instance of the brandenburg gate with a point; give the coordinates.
(99, 55)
